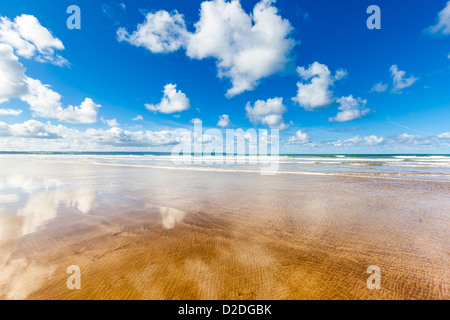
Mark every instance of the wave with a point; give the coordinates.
(381, 176)
(338, 165)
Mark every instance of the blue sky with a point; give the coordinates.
(308, 68)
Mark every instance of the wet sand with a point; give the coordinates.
(142, 233)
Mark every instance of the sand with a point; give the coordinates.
(142, 233)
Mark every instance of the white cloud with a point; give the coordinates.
(137, 118)
(111, 122)
(30, 39)
(268, 112)
(247, 47)
(26, 136)
(357, 140)
(443, 22)
(33, 135)
(118, 137)
(399, 80)
(43, 101)
(445, 135)
(196, 120)
(10, 36)
(161, 32)
(85, 113)
(409, 139)
(379, 87)
(12, 75)
(224, 121)
(299, 137)
(10, 112)
(173, 101)
(373, 140)
(31, 129)
(316, 92)
(46, 103)
(350, 109)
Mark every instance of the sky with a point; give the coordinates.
(138, 72)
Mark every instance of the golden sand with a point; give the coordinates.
(144, 234)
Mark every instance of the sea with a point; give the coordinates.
(435, 167)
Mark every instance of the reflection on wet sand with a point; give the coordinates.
(170, 216)
(19, 276)
(145, 234)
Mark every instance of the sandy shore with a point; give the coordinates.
(142, 233)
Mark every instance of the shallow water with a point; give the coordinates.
(419, 167)
(139, 231)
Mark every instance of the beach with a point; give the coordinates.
(141, 227)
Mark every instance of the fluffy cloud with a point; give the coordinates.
(46, 103)
(445, 135)
(410, 139)
(30, 39)
(316, 92)
(43, 101)
(350, 109)
(247, 47)
(443, 22)
(12, 75)
(137, 118)
(299, 137)
(173, 101)
(23, 136)
(112, 122)
(224, 121)
(379, 87)
(31, 129)
(33, 135)
(399, 80)
(10, 112)
(118, 137)
(85, 113)
(196, 120)
(268, 112)
(403, 141)
(368, 141)
(161, 32)
(373, 140)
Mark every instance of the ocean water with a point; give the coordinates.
(389, 166)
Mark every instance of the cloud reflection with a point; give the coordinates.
(43, 207)
(42, 200)
(170, 217)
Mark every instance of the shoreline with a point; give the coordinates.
(261, 167)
